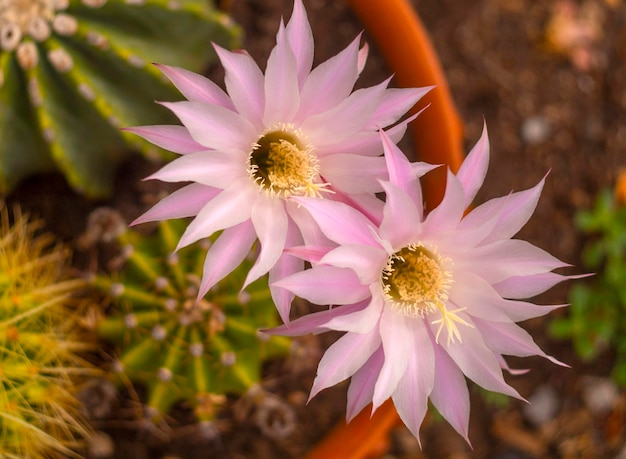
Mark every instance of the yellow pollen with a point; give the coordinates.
(415, 283)
(282, 166)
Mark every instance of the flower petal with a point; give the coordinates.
(315, 322)
(394, 104)
(478, 362)
(510, 339)
(362, 384)
(411, 396)
(285, 266)
(362, 321)
(173, 138)
(448, 213)
(353, 173)
(244, 82)
(401, 219)
(326, 285)
(473, 170)
(214, 126)
(366, 261)
(345, 119)
(225, 254)
(196, 87)
(396, 335)
(229, 208)
(339, 222)
(343, 358)
(529, 286)
(330, 82)
(184, 202)
(450, 395)
(282, 93)
(300, 40)
(211, 168)
(270, 223)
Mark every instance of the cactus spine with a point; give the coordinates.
(39, 414)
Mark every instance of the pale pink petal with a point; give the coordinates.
(282, 93)
(364, 143)
(511, 371)
(214, 126)
(503, 259)
(270, 223)
(477, 361)
(315, 322)
(448, 213)
(343, 358)
(330, 82)
(244, 82)
(411, 396)
(366, 261)
(396, 334)
(510, 339)
(362, 321)
(312, 254)
(512, 211)
(353, 173)
(310, 231)
(212, 168)
(362, 60)
(173, 138)
(461, 241)
(362, 384)
(346, 119)
(285, 266)
(225, 254)
(367, 204)
(300, 40)
(229, 208)
(529, 286)
(185, 202)
(196, 87)
(401, 218)
(472, 172)
(401, 173)
(326, 285)
(481, 300)
(339, 222)
(395, 103)
(450, 395)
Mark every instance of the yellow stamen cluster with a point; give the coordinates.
(283, 165)
(415, 283)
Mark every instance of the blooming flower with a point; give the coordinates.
(423, 300)
(293, 131)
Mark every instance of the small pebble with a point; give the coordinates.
(543, 405)
(535, 130)
(599, 394)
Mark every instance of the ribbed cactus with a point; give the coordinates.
(39, 414)
(178, 349)
(72, 72)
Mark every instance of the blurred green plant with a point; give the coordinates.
(178, 348)
(40, 416)
(73, 71)
(597, 315)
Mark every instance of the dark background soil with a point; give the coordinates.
(549, 78)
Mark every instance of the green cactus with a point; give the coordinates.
(72, 72)
(39, 413)
(178, 349)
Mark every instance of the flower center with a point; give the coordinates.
(415, 283)
(282, 165)
(34, 18)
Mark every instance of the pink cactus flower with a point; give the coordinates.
(293, 131)
(424, 301)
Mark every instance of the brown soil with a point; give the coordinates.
(551, 104)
